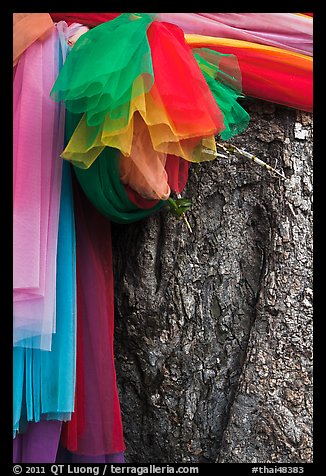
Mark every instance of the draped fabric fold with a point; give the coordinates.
(287, 31)
(88, 19)
(96, 427)
(268, 73)
(191, 100)
(278, 77)
(27, 28)
(103, 187)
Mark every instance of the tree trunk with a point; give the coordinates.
(213, 336)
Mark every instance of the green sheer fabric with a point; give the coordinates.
(108, 70)
(222, 74)
(107, 67)
(103, 187)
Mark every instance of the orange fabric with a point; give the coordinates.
(27, 28)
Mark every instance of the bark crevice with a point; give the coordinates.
(213, 329)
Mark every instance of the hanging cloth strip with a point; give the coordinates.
(44, 381)
(271, 78)
(39, 444)
(38, 140)
(95, 428)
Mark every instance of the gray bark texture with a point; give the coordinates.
(213, 330)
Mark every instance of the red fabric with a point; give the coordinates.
(177, 170)
(88, 19)
(138, 200)
(76, 426)
(181, 85)
(271, 79)
(96, 428)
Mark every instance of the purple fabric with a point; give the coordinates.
(39, 444)
(65, 456)
(288, 31)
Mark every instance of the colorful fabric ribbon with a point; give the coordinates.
(96, 426)
(44, 363)
(44, 382)
(143, 101)
(178, 114)
(287, 31)
(268, 73)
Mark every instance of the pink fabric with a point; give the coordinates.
(283, 30)
(37, 185)
(37, 171)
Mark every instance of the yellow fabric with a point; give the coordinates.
(87, 142)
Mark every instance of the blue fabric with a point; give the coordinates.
(43, 381)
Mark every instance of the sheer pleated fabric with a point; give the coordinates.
(272, 76)
(39, 127)
(177, 114)
(44, 377)
(44, 381)
(222, 74)
(99, 74)
(160, 108)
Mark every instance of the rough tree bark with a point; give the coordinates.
(213, 338)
